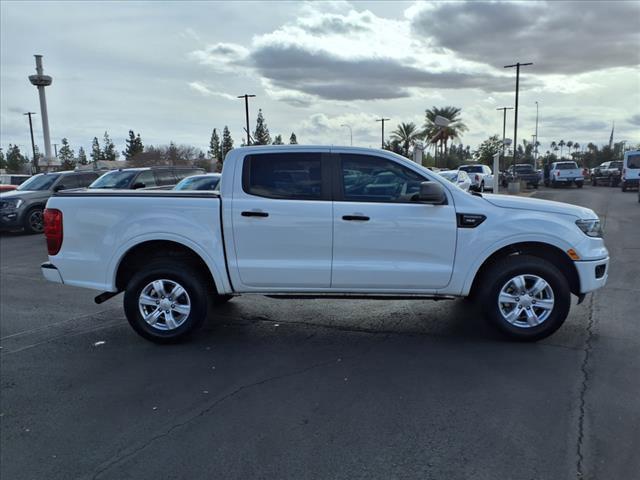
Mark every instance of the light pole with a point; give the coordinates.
(350, 132)
(504, 125)
(535, 145)
(515, 125)
(382, 120)
(34, 162)
(41, 81)
(246, 113)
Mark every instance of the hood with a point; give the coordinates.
(25, 194)
(525, 203)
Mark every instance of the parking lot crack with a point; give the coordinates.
(121, 455)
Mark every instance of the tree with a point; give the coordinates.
(278, 140)
(227, 143)
(82, 157)
(215, 153)
(293, 140)
(133, 146)
(487, 149)
(66, 156)
(561, 144)
(406, 134)
(436, 134)
(393, 145)
(261, 134)
(3, 161)
(15, 161)
(96, 151)
(109, 150)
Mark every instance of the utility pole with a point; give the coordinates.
(350, 132)
(504, 127)
(535, 145)
(34, 163)
(515, 125)
(41, 80)
(55, 149)
(383, 120)
(246, 113)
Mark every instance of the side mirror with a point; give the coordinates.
(138, 185)
(433, 193)
(59, 187)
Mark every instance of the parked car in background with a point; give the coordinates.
(522, 172)
(481, 177)
(457, 177)
(208, 181)
(631, 171)
(10, 181)
(292, 221)
(607, 173)
(144, 177)
(23, 207)
(565, 173)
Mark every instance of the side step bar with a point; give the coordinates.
(357, 296)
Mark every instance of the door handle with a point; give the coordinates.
(254, 214)
(361, 218)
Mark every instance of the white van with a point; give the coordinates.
(630, 170)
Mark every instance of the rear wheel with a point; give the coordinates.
(594, 182)
(623, 186)
(612, 182)
(482, 187)
(34, 221)
(527, 298)
(579, 184)
(166, 301)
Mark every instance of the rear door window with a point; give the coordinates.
(147, 178)
(165, 177)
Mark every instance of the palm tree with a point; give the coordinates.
(406, 134)
(561, 144)
(576, 147)
(454, 130)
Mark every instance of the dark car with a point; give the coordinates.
(522, 172)
(23, 207)
(607, 173)
(146, 177)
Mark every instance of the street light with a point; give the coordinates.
(382, 120)
(246, 97)
(350, 132)
(515, 123)
(418, 148)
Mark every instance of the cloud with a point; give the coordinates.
(206, 91)
(220, 55)
(634, 120)
(558, 37)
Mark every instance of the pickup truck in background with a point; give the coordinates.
(324, 222)
(481, 177)
(522, 172)
(608, 173)
(565, 173)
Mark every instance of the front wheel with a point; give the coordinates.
(579, 184)
(166, 301)
(482, 187)
(527, 298)
(623, 186)
(34, 221)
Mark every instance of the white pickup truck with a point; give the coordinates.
(481, 176)
(565, 173)
(300, 221)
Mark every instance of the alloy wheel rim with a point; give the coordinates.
(36, 221)
(164, 304)
(526, 301)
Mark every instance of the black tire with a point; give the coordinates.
(188, 276)
(553, 184)
(623, 186)
(579, 184)
(612, 182)
(34, 221)
(481, 187)
(507, 268)
(594, 182)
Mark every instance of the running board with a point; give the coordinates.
(103, 297)
(357, 296)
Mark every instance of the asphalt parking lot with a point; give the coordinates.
(322, 389)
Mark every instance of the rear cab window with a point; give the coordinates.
(289, 176)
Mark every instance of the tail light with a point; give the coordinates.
(53, 230)
(557, 174)
(477, 178)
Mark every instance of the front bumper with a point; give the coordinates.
(569, 180)
(51, 273)
(10, 219)
(593, 274)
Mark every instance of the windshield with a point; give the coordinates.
(566, 165)
(208, 182)
(43, 181)
(451, 176)
(471, 168)
(118, 179)
(633, 161)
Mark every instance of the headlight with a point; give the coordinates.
(591, 227)
(12, 203)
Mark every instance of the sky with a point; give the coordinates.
(171, 71)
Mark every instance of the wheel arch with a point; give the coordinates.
(144, 251)
(543, 250)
